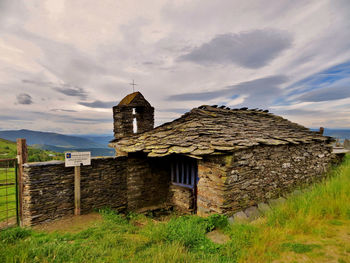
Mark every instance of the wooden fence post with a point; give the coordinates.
(77, 190)
(22, 158)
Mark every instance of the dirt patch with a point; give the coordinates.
(8, 223)
(218, 237)
(71, 224)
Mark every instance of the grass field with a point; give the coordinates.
(7, 193)
(311, 227)
(8, 149)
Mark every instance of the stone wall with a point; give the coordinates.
(227, 183)
(122, 183)
(248, 177)
(49, 188)
(181, 198)
(148, 182)
(212, 172)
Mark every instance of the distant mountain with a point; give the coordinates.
(340, 134)
(94, 151)
(103, 139)
(49, 141)
(50, 138)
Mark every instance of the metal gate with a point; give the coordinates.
(8, 193)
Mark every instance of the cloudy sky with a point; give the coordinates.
(64, 64)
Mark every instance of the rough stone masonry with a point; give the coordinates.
(248, 177)
(48, 191)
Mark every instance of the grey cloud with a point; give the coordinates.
(326, 115)
(297, 112)
(199, 96)
(8, 5)
(12, 13)
(131, 31)
(176, 110)
(326, 94)
(99, 104)
(325, 118)
(71, 119)
(37, 82)
(339, 122)
(206, 14)
(63, 118)
(260, 92)
(72, 91)
(64, 110)
(66, 89)
(24, 98)
(104, 120)
(10, 118)
(253, 49)
(64, 60)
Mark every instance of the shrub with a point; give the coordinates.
(216, 221)
(188, 230)
(112, 216)
(11, 235)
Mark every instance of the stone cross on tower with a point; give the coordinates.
(133, 85)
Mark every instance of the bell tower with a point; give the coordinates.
(134, 114)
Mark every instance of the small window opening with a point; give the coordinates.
(134, 125)
(133, 111)
(184, 173)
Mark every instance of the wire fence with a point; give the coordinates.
(8, 193)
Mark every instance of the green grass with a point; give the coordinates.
(7, 149)
(311, 227)
(299, 248)
(7, 194)
(115, 239)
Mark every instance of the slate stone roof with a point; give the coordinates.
(210, 130)
(127, 100)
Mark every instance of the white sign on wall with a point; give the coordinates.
(77, 158)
